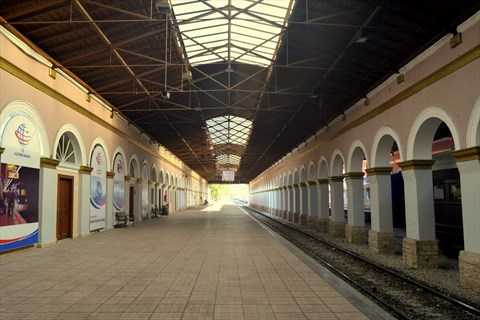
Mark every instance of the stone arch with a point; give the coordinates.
(323, 171)
(101, 142)
(167, 178)
(75, 137)
(303, 174)
(423, 130)
(145, 172)
(382, 146)
(473, 129)
(161, 176)
(356, 155)
(296, 176)
(153, 173)
(134, 167)
(312, 171)
(23, 108)
(337, 163)
(123, 169)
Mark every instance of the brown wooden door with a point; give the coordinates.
(131, 210)
(65, 207)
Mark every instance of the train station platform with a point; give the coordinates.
(209, 262)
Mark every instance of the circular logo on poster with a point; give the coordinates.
(23, 134)
(97, 198)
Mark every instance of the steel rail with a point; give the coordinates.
(454, 301)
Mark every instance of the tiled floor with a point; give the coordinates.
(211, 262)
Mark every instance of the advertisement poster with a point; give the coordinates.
(98, 182)
(118, 184)
(19, 184)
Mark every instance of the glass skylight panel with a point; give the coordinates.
(228, 159)
(258, 28)
(229, 129)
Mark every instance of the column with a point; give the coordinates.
(420, 247)
(303, 203)
(468, 162)
(291, 202)
(312, 199)
(158, 203)
(47, 209)
(138, 200)
(109, 220)
(296, 203)
(355, 231)
(84, 201)
(284, 212)
(323, 216)
(381, 238)
(126, 195)
(337, 218)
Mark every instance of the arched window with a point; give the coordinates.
(65, 150)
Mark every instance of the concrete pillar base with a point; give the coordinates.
(290, 216)
(303, 220)
(322, 225)
(420, 254)
(336, 229)
(356, 234)
(284, 215)
(469, 269)
(296, 217)
(311, 222)
(381, 242)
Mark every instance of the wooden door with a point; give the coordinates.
(65, 207)
(131, 211)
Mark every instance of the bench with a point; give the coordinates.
(121, 219)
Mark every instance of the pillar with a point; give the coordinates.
(296, 203)
(109, 219)
(312, 200)
(47, 207)
(323, 216)
(303, 203)
(336, 226)
(420, 248)
(84, 201)
(138, 200)
(381, 238)
(290, 203)
(126, 195)
(355, 231)
(285, 203)
(468, 162)
(156, 198)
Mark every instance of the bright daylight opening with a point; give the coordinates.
(227, 31)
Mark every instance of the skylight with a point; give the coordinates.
(229, 135)
(231, 31)
(229, 130)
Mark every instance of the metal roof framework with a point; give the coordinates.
(287, 74)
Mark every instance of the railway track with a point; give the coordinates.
(403, 297)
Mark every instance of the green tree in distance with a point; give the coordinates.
(218, 191)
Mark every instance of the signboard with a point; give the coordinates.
(98, 182)
(119, 183)
(228, 175)
(19, 184)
